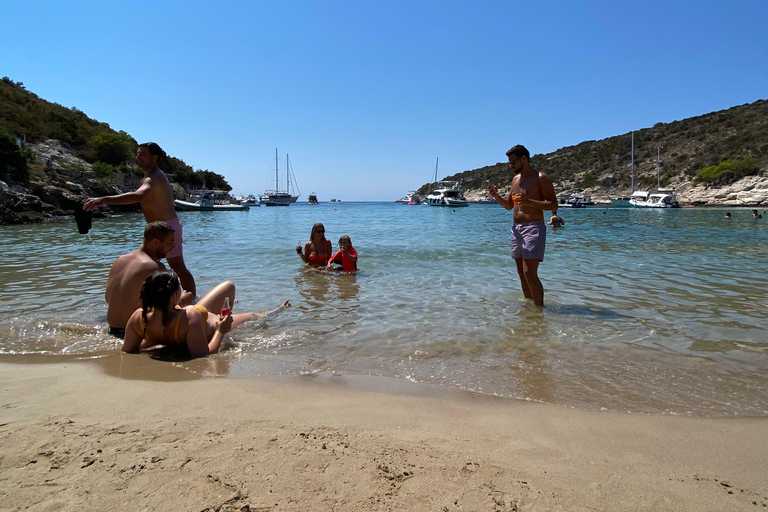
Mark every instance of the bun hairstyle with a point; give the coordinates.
(157, 291)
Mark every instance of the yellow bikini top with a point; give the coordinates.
(199, 307)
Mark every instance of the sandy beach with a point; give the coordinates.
(130, 433)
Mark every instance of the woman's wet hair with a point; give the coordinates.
(314, 229)
(156, 291)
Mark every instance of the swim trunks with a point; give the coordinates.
(347, 265)
(529, 240)
(179, 239)
(117, 332)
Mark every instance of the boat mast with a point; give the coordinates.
(658, 169)
(633, 162)
(436, 162)
(277, 189)
(287, 175)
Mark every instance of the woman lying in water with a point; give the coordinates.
(200, 327)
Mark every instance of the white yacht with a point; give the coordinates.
(411, 198)
(660, 199)
(447, 193)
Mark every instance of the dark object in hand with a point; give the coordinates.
(83, 219)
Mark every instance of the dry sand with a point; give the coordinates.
(74, 437)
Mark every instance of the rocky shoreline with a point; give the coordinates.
(69, 180)
(751, 191)
(64, 184)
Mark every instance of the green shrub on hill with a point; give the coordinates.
(113, 148)
(727, 172)
(24, 114)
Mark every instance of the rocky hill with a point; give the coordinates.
(682, 148)
(53, 157)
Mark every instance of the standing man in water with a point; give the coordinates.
(530, 193)
(156, 198)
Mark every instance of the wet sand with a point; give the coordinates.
(130, 433)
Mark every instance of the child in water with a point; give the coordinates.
(346, 256)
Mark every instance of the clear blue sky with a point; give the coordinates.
(365, 95)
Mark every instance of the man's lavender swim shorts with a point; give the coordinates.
(529, 240)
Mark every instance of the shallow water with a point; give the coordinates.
(646, 310)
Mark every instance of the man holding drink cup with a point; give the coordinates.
(530, 193)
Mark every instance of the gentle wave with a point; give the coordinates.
(646, 311)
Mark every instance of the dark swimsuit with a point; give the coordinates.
(117, 332)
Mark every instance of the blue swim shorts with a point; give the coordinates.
(529, 240)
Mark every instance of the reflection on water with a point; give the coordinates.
(646, 311)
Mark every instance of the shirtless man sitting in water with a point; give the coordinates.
(129, 271)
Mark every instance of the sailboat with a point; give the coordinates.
(642, 199)
(659, 199)
(279, 197)
(486, 199)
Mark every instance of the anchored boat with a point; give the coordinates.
(446, 193)
(279, 197)
(210, 200)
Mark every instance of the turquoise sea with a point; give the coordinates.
(660, 311)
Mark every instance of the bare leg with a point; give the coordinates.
(214, 299)
(185, 276)
(241, 318)
(523, 280)
(535, 288)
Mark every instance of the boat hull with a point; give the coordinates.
(207, 207)
(278, 199)
(621, 203)
(454, 203)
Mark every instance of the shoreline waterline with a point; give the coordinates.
(642, 311)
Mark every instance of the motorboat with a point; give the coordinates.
(251, 201)
(279, 197)
(486, 199)
(312, 199)
(411, 198)
(575, 200)
(447, 193)
(660, 199)
(211, 200)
